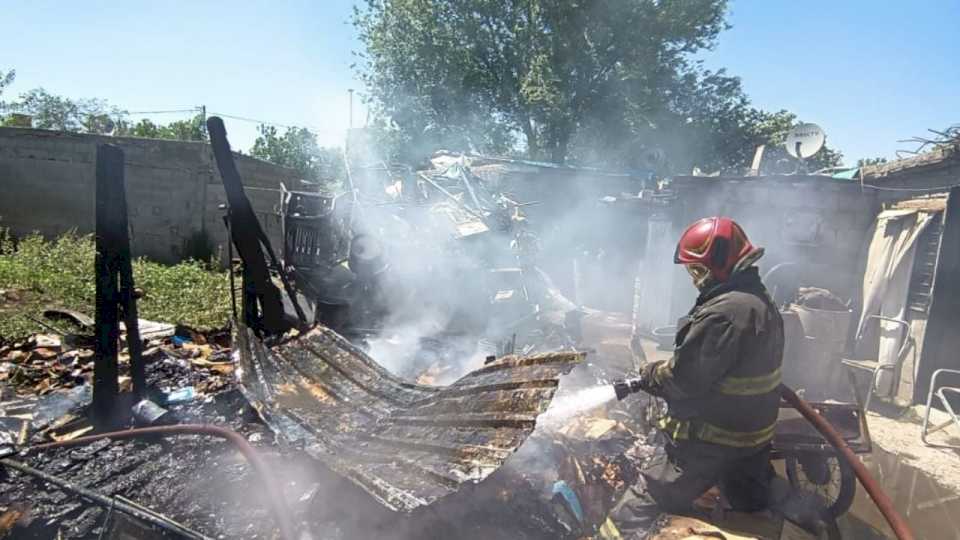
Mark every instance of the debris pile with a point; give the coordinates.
(333, 426)
(40, 364)
(558, 485)
(43, 363)
(46, 375)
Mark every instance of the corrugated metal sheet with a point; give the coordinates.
(404, 443)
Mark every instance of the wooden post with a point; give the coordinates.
(128, 300)
(107, 327)
(114, 289)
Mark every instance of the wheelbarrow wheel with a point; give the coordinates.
(826, 475)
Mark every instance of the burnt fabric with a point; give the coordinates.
(721, 383)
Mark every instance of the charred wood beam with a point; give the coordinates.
(114, 287)
(123, 505)
(263, 306)
(128, 301)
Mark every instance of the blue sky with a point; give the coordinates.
(868, 72)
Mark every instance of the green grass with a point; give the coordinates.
(60, 273)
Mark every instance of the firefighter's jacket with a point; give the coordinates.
(721, 384)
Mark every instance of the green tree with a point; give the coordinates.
(6, 79)
(185, 130)
(9, 120)
(50, 111)
(871, 161)
(607, 83)
(297, 149)
(474, 73)
(191, 129)
(144, 128)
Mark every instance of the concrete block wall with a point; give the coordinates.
(47, 185)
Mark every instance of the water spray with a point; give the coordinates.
(566, 407)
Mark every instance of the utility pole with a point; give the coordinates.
(350, 90)
(203, 120)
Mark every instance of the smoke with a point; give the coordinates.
(565, 407)
(420, 348)
(398, 346)
(455, 295)
(436, 292)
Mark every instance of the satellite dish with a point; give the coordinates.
(805, 140)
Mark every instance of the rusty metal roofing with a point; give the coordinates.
(405, 444)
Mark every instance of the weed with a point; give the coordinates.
(60, 273)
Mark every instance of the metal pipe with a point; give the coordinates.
(899, 525)
(127, 506)
(282, 513)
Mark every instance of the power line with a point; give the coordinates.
(193, 110)
(202, 109)
(314, 129)
(253, 120)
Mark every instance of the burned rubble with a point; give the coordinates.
(294, 397)
(162, 474)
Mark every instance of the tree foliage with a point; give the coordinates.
(191, 129)
(482, 69)
(40, 109)
(609, 82)
(297, 149)
(864, 162)
(6, 79)
(50, 111)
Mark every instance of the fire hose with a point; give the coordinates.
(880, 499)
(281, 511)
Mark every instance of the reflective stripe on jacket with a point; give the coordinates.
(721, 384)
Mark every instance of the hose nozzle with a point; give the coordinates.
(625, 387)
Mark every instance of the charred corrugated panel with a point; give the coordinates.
(405, 444)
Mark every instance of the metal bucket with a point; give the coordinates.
(829, 327)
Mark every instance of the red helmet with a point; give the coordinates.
(714, 245)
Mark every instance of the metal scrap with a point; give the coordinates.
(405, 444)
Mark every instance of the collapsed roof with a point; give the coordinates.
(405, 444)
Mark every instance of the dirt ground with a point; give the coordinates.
(923, 481)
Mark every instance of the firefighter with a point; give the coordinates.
(720, 386)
